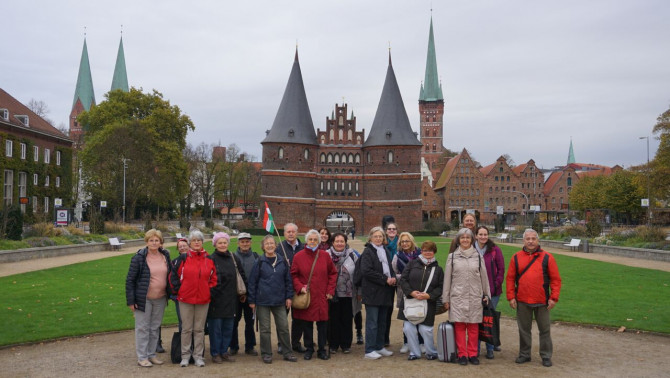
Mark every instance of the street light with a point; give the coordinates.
(125, 165)
(524, 196)
(648, 184)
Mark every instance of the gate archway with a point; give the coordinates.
(339, 220)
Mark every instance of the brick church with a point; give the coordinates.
(339, 177)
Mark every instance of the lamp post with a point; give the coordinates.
(125, 166)
(648, 185)
(524, 196)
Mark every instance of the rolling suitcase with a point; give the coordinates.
(446, 344)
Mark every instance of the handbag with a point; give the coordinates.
(241, 287)
(489, 328)
(301, 300)
(415, 310)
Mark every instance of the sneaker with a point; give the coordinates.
(423, 349)
(184, 362)
(462, 360)
(385, 352)
(217, 359)
(199, 362)
(155, 361)
(489, 355)
(522, 359)
(372, 356)
(359, 339)
(333, 351)
(290, 358)
(267, 359)
(404, 349)
(346, 350)
(145, 363)
(412, 357)
(497, 349)
(431, 356)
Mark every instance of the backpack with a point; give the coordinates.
(358, 274)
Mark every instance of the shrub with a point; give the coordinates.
(593, 227)
(14, 226)
(499, 224)
(75, 231)
(650, 234)
(537, 226)
(435, 226)
(184, 224)
(40, 230)
(40, 242)
(574, 230)
(244, 224)
(96, 222)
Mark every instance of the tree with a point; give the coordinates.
(250, 190)
(588, 193)
(230, 176)
(203, 168)
(151, 134)
(660, 166)
(40, 108)
(624, 194)
(509, 160)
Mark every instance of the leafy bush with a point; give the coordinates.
(12, 220)
(244, 224)
(593, 227)
(42, 229)
(435, 226)
(537, 226)
(40, 242)
(499, 224)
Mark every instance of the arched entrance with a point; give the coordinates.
(340, 221)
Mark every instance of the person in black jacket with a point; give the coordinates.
(287, 249)
(271, 293)
(378, 282)
(147, 287)
(225, 300)
(418, 282)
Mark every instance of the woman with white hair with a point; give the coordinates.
(321, 288)
(466, 286)
(193, 276)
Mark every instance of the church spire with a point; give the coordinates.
(84, 89)
(571, 154)
(120, 78)
(431, 89)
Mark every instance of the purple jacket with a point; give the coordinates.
(495, 267)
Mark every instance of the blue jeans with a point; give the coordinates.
(494, 302)
(375, 327)
(220, 333)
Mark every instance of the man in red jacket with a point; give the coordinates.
(533, 286)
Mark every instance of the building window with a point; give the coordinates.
(23, 151)
(46, 180)
(336, 159)
(369, 157)
(306, 154)
(34, 204)
(560, 190)
(57, 181)
(57, 157)
(36, 153)
(569, 181)
(9, 145)
(281, 152)
(46, 204)
(322, 158)
(47, 156)
(23, 190)
(35, 178)
(390, 156)
(8, 187)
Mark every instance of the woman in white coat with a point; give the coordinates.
(466, 286)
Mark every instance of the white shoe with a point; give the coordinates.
(184, 362)
(385, 352)
(372, 356)
(199, 363)
(423, 349)
(404, 349)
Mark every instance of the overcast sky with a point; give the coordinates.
(518, 77)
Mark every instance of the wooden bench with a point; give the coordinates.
(503, 237)
(115, 243)
(574, 244)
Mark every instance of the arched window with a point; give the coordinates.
(434, 132)
(322, 158)
(340, 135)
(306, 154)
(434, 147)
(390, 157)
(332, 135)
(349, 134)
(358, 139)
(341, 121)
(335, 186)
(323, 139)
(358, 158)
(344, 158)
(427, 147)
(336, 159)
(281, 152)
(351, 158)
(337, 171)
(330, 158)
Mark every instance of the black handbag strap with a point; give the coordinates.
(518, 275)
(312, 271)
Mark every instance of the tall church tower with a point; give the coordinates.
(431, 111)
(84, 98)
(120, 78)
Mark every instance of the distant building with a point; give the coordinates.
(337, 177)
(36, 159)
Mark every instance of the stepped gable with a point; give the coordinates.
(391, 125)
(293, 123)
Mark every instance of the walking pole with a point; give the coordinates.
(282, 244)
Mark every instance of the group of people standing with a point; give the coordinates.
(216, 291)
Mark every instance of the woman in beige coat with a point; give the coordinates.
(466, 284)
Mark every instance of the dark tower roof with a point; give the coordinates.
(293, 123)
(391, 125)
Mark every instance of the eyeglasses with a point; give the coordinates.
(405, 241)
(391, 229)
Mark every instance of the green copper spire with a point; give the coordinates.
(84, 90)
(120, 79)
(571, 154)
(431, 90)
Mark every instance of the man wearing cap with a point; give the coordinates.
(248, 258)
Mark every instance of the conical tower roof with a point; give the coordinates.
(431, 89)
(293, 122)
(571, 154)
(391, 125)
(84, 89)
(120, 78)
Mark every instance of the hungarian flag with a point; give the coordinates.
(268, 223)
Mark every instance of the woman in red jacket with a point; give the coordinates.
(321, 289)
(194, 274)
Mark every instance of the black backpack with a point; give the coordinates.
(358, 275)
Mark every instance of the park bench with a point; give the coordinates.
(503, 237)
(115, 243)
(574, 244)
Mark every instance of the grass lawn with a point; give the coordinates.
(90, 297)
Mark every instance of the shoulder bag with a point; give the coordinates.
(415, 310)
(241, 288)
(301, 300)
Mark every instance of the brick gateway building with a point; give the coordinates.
(337, 177)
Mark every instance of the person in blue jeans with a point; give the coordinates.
(225, 300)
(495, 268)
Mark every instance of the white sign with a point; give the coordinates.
(645, 202)
(58, 202)
(61, 217)
(535, 208)
(470, 211)
(499, 210)
(103, 203)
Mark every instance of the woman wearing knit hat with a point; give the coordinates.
(225, 298)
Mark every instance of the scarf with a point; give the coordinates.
(311, 248)
(381, 255)
(404, 258)
(482, 251)
(393, 246)
(426, 261)
(336, 256)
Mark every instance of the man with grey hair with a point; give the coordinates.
(248, 258)
(288, 248)
(533, 286)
